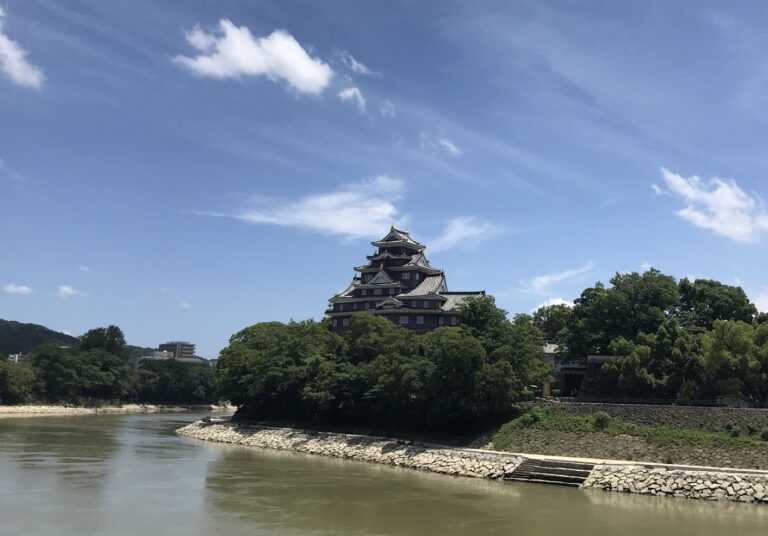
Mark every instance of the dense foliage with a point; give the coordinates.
(380, 374)
(96, 369)
(681, 340)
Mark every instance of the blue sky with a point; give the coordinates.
(185, 169)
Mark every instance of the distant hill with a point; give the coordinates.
(18, 337)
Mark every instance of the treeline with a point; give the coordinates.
(379, 374)
(96, 369)
(686, 340)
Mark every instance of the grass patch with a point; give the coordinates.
(542, 418)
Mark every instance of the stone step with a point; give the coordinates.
(551, 472)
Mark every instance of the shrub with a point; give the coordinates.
(764, 435)
(602, 420)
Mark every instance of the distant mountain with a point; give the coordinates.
(18, 337)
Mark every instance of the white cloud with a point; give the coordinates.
(657, 190)
(387, 109)
(185, 305)
(67, 332)
(232, 52)
(645, 266)
(13, 61)
(357, 210)
(66, 291)
(462, 228)
(720, 206)
(552, 301)
(83, 268)
(438, 144)
(356, 66)
(353, 94)
(17, 289)
(761, 302)
(544, 284)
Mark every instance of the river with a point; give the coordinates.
(130, 474)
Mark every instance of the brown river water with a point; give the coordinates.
(130, 474)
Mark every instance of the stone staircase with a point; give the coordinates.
(551, 472)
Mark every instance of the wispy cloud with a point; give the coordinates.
(387, 109)
(67, 291)
(357, 210)
(233, 52)
(353, 94)
(718, 205)
(459, 230)
(83, 268)
(434, 144)
(17, 289)
(546, 284)
(552, 301)
(185, 305)
(13, 61)
(356, 66)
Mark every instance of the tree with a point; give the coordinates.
(635, 303)
(735, 359)
(703, 301)
(552, 320)
(17, 382)
(110, 339)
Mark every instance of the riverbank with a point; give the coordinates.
(559, 430)
(611, 475)
(33, 410)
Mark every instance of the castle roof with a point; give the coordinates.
(396, 237)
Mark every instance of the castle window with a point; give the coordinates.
(440, 321)
(345, 322)
(341, 307)
(365, 292)
(335, 322)
(354, 306)
(454, 320)
(416, 276)
(427, 304)
(404, 320)
(406, 275)
(420, 320)
(377, 291)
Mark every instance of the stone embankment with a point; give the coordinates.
(689, 483)
(52, 410)
(423, 457)
(649, 479)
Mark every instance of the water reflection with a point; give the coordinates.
(75, 449)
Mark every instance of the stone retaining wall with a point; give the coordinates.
(432, 458)
(637, 449)
(713, 419)
(691, 484)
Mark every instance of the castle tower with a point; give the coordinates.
(399, 284)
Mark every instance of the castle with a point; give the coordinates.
(398, 283)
